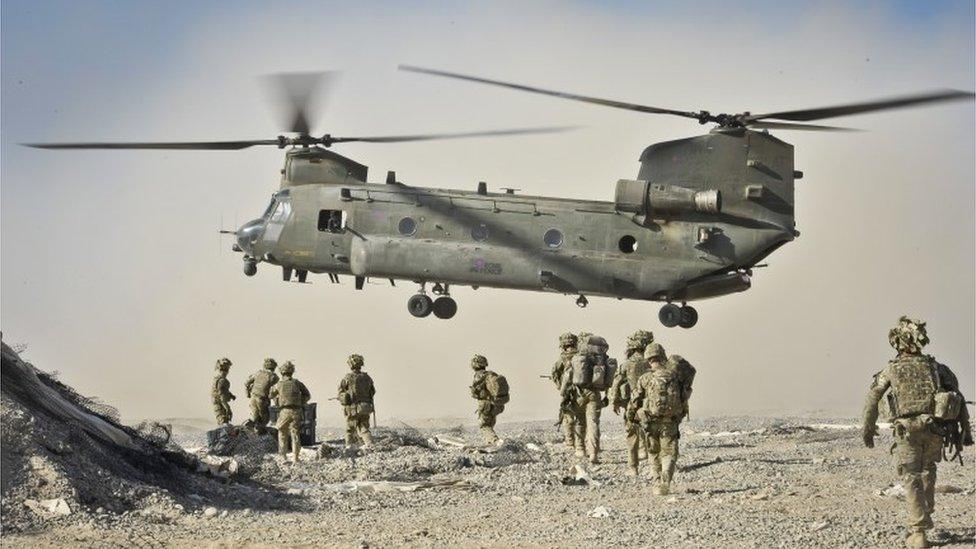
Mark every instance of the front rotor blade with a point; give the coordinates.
(433, 136)
(554, 93)
(868, 106)
(186, 145)
(296, 94)
(770, 125)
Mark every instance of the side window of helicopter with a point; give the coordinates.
(480, 232)
(407, 226)
(553, 238)
(333, 221)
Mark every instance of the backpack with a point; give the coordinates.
(662, 395)
(497, 387)
(360, 388)
(582, 371)
(914, 384)
(603, 372)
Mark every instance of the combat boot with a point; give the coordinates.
(661, 489)
(632, 471)
(917, 540)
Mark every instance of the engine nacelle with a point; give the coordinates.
(645, 198)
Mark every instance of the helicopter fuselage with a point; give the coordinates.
(691, 234)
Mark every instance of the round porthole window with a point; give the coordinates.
(407, 226)
(627, 244)
(480, 232)
(553, 238)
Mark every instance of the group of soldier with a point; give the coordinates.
(652, 389)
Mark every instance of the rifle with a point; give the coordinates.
(545, 377)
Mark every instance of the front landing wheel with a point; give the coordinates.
(689, 317)
(420, 305)
(669, 315)
(445, 307)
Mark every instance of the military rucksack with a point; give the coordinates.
(582, 371)
(662, 395)
(603, 371)
(360, 388)
(497, 387)
(914, 383)
(290, 394)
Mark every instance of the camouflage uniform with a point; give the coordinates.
(356, 393)
(586, 403)
(567, 346)
(659, 417)
(911, 382)
(258, 386)
(290, 396)
(220, 393)
(488, 409)
(623, 387)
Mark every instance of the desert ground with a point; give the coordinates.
(742, 482)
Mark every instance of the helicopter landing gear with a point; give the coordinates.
(672, 315)
(250, 267)
(420, 305)
(444, 306)
(582, 302)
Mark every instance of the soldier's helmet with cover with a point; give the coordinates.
(224, 364)
(270, 364)
(639, 340)
(909, 336)
(655, 351)
(355, 361)
(568, 340)
(288, 368)
(479, 362)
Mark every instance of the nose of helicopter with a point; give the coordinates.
(248, 234)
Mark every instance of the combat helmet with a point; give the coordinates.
(639, 340)
(270, 364)
(355, 361)
(655, 351)
(224, 364)
(287, 368)
(909, 336)
(568, 340)
(479, 362)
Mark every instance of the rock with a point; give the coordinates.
(895, 491)
(600, 512)
(49, 507)
(210, 512)
(759, 497)
(818, 526)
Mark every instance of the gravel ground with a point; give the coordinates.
(742, 482)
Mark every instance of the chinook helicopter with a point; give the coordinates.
(702, 213)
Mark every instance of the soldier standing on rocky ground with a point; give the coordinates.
(491, 391)
(356, 393)
(591, 374)
(258, 387)
(290, 396)
(220, 393)
(624, 384)
(659, 403)
(927, 412)
(567, 349)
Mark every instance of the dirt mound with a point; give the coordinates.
(66, 458)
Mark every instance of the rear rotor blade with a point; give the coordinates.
(554, 93)
(433, 136)
(770, 125)
(296, 94)
(868, 106)
(185, 145)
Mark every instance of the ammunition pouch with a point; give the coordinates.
(948, 405)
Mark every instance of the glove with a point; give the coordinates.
(604, 402)
(616, 409)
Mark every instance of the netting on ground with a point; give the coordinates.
(155, 432)
(91, 404)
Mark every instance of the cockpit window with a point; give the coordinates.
(269, 209)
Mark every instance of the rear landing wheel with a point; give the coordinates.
(420, 305)
(445, 307)
(689, 317)
(670, 315)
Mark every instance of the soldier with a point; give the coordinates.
(290, 396)
(258, 386)
(220, 393)
(926, 408)
(657, 403)
(491, 392)
(567, 347)
(591, 373)
(624, 384)
(356, 392)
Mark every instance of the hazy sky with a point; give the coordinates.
(113, 272)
